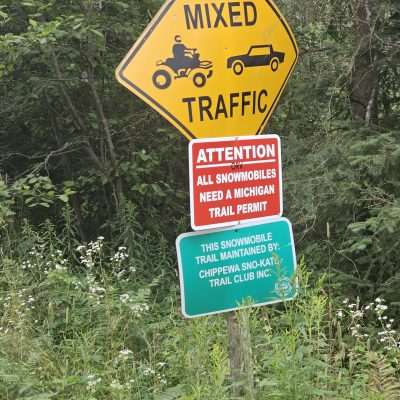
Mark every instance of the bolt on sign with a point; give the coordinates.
(212, 68)
(223, 270)
(233, 180)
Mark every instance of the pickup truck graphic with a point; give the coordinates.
(259, 55)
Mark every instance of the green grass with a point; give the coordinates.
(95, 324)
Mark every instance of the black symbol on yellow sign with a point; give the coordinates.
(259, 55)
(185, 63)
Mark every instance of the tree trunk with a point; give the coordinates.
(364, 81)
(68, 174)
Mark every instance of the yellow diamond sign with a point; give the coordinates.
(212, 68)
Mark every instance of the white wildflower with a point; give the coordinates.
(125, 352)
(116, 385)
(148, 371)
(124, 298)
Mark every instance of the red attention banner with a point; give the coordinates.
(234, 180)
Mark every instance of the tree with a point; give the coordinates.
(65, 113)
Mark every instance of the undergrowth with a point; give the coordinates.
(93, 323)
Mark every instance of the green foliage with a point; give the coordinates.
(383, 380)
(70, 330)
(6, 204)
(29, 194)
(350, 182)
(92, 325)
(36, 191)
(64, 114)
(80, 157)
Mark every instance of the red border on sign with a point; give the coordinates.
(197, 212)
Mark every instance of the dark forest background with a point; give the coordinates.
(82, 159)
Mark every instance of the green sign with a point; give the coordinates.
(220, 270)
